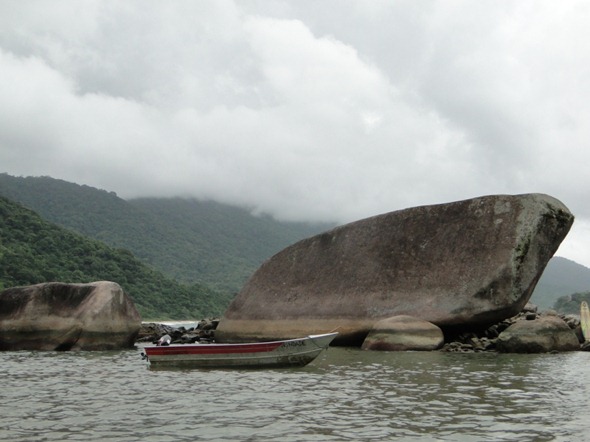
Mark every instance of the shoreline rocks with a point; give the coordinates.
(540, 335)
(151, 332)
(487, 339)
(466, 341)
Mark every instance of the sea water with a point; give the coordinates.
(344, 395)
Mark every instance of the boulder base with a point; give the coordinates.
(472, 262)
(542, 335)
(58, 316)
(402, 333)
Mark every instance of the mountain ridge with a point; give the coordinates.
(205, 242)
(209, 243)
(33, 251)
(561, 277)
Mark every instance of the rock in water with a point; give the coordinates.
(403, 333)
(58, 316)
(541, 335)
(472, 262)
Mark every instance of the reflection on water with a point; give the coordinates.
(346, 394)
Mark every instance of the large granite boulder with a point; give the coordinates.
(404, 333)
(472, 262)
(58, 316)
(542, 335)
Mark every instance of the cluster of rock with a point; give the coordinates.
(152, 332)
(530, 331)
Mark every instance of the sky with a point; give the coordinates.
(304, 110)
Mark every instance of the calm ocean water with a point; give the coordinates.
(345, 395)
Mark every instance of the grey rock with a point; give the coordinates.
(401, 333)
(543, 335)
(58, 316)
(467, 263)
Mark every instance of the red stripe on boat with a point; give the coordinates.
(203, 349)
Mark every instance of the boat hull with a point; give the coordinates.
(288, 353)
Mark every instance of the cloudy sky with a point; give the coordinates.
(306, 110)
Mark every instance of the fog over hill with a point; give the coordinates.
(191, 241)
(204, 242)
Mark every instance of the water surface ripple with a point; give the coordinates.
(345, 395)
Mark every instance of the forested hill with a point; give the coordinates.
(33, 250)
(190, 241)
(561, 277)
(193, 241)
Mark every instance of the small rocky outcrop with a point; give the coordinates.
(487, 339)
(58, 316)
(401, 333)
(152, 332)
(465, 264)
(542, 335)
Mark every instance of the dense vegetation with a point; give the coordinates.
(33, 251)
(200, 242)
(191, 241)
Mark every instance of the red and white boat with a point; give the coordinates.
(287, 353)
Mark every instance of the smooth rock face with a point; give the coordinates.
(402, 333)
(542, 335)
(469, 262)
(58, 316)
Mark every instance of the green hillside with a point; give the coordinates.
(216, 244)
(203, 242)
(561, 277)
(33, 251)
(189, 240)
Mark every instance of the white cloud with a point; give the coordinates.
(334, 110)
